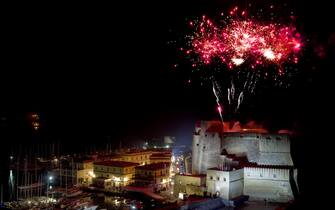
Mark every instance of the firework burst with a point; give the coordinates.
(242, 50)
(243, 41)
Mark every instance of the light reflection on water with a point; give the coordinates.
(115, 202)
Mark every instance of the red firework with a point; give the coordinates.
(239, 41)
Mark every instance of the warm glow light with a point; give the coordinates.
(237, 61)
(91, 174)
(268, 53)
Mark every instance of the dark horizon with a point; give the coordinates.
(97, 71)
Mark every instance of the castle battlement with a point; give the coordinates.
(262, 159)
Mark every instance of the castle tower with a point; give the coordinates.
(206, 146)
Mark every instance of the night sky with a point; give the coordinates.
(93, 71)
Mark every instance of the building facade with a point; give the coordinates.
(113, 175)
(75, 172)
(225, 184)
(189, 184)
(155, 176)
(142, 157)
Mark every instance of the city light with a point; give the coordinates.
(91, 174)
(117, 179)
(50, 178)
(173, 159)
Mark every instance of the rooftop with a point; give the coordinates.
(193, 175)
(116, 163)
(154, 166)
(154, 150)
(137, 152)
(252, 165)
(161, 155)
(230, 127)
(270, 166)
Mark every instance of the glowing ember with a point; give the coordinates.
(237, 61)
(219, 109)
(268, 53)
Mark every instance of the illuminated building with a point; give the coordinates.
(77, 172)
(189, 184)
(161, 157)
(141, 157)
(155, 176)
(244, 161)
(113, 175)
(34, 120)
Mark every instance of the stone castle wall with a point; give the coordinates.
(206, 149)
(269, 184)
(263, 149)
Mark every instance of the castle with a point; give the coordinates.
(243, 161)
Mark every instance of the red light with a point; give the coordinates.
(219, 109)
